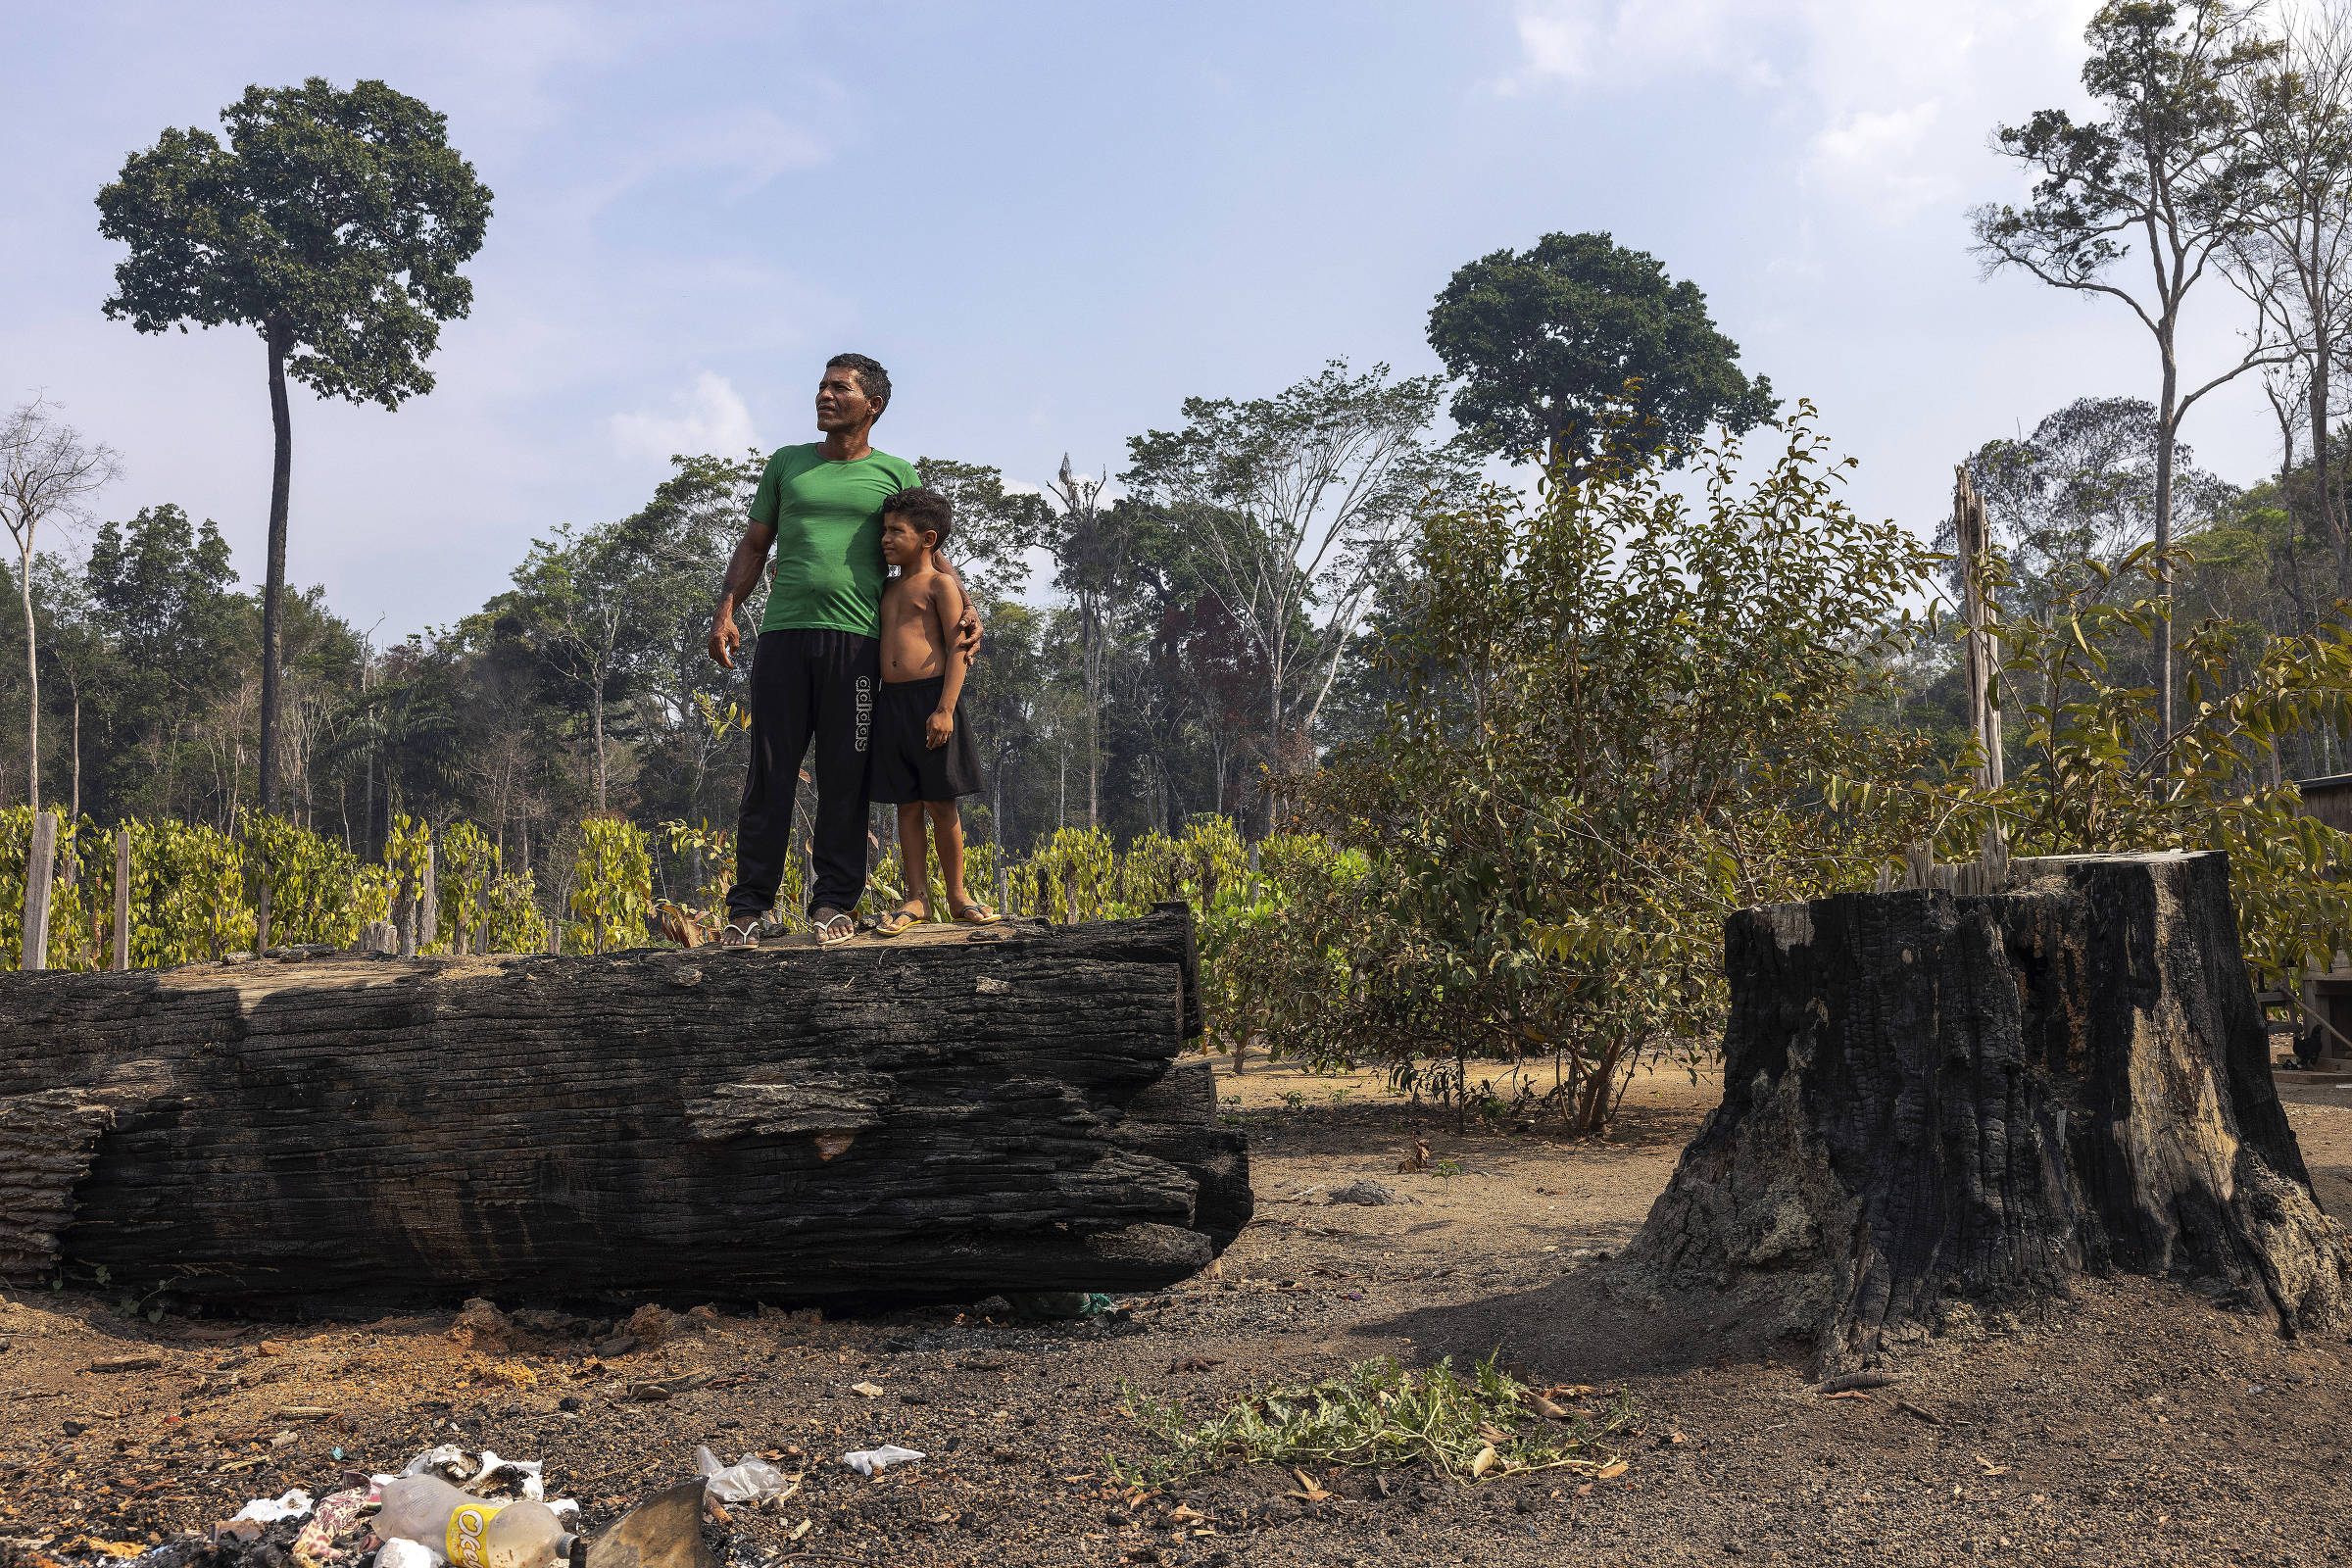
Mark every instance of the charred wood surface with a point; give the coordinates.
(1935, 1104)
(935, 1118)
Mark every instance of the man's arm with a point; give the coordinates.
(743, 575)
(950, 610)
(966, 636)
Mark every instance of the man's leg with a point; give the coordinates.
(848, 677)
(781, 712)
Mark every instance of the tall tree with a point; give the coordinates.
(1093, 556)
(2070, 500)
(680, 542)
(2168, 166)
(333, 223)
(591, 601)
(1295, 506)
(48, 474)
(1544, 339)
(2294, 254)
(994, 527)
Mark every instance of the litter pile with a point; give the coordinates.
(448, 1509)
(443, 1506)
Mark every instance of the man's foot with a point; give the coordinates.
(973, 913)
(832, 927)
(739, 931)
(903, 919)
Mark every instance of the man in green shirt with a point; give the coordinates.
(818, 663)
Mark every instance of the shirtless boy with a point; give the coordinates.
(923, 753)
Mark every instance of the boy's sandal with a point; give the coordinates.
(896, 921)
(833, 927)
(975, 915)
(739, 934)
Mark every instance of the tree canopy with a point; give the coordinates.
(1544, 341)
(334, 224)
(338, 218)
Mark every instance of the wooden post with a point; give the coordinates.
(428, 910)
(123, 897)
(1974, 536)
(40, 864)
(1000, 859)
(261, 942)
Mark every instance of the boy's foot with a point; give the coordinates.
(973, 914)
(740, 932)
(904, 918)
(832, 927)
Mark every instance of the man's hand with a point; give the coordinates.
(726, 638)
(937, 728)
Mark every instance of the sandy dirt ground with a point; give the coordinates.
(2137, 1424)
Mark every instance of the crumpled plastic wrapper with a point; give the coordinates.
(869, 1461)
(269, 1510)
(749, 1479)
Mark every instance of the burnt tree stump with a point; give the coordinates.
(935, 1118)
(1932, 1101)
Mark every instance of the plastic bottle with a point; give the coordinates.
(472, 1532)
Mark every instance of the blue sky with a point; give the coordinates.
(1052, 222)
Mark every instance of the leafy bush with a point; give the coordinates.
(612, 885)
(1622, 704)
(318, 890)
(2089, 771)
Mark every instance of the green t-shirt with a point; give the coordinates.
(828, 522)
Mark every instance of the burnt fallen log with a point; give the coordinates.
(935, 1118)
(1938, 1105)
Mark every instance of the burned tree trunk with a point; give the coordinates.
(935, 1118)
(1931, 1098)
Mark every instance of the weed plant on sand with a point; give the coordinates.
(1378, 1412)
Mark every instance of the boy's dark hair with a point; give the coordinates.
(872, 380)
(926, 509)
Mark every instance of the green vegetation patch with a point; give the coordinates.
(1379, 1412)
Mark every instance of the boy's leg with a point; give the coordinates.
(845, 673)
(781, 711)
(947, 828)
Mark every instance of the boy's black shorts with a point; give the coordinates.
(904, 768)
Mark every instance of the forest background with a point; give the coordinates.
(1524, 676)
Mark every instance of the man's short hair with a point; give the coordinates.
(872, 380)
(926, 509)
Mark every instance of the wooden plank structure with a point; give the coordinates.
(943, 1115)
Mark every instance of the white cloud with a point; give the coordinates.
(1875, 155)
(1631, 41)
(711, 419)
(1873, 92)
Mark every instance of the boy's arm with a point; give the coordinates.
(948, 610)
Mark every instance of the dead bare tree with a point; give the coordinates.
(2166, 170)
(2293, 256)
(48, 474)
(1088, 558)
(1293, 508)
